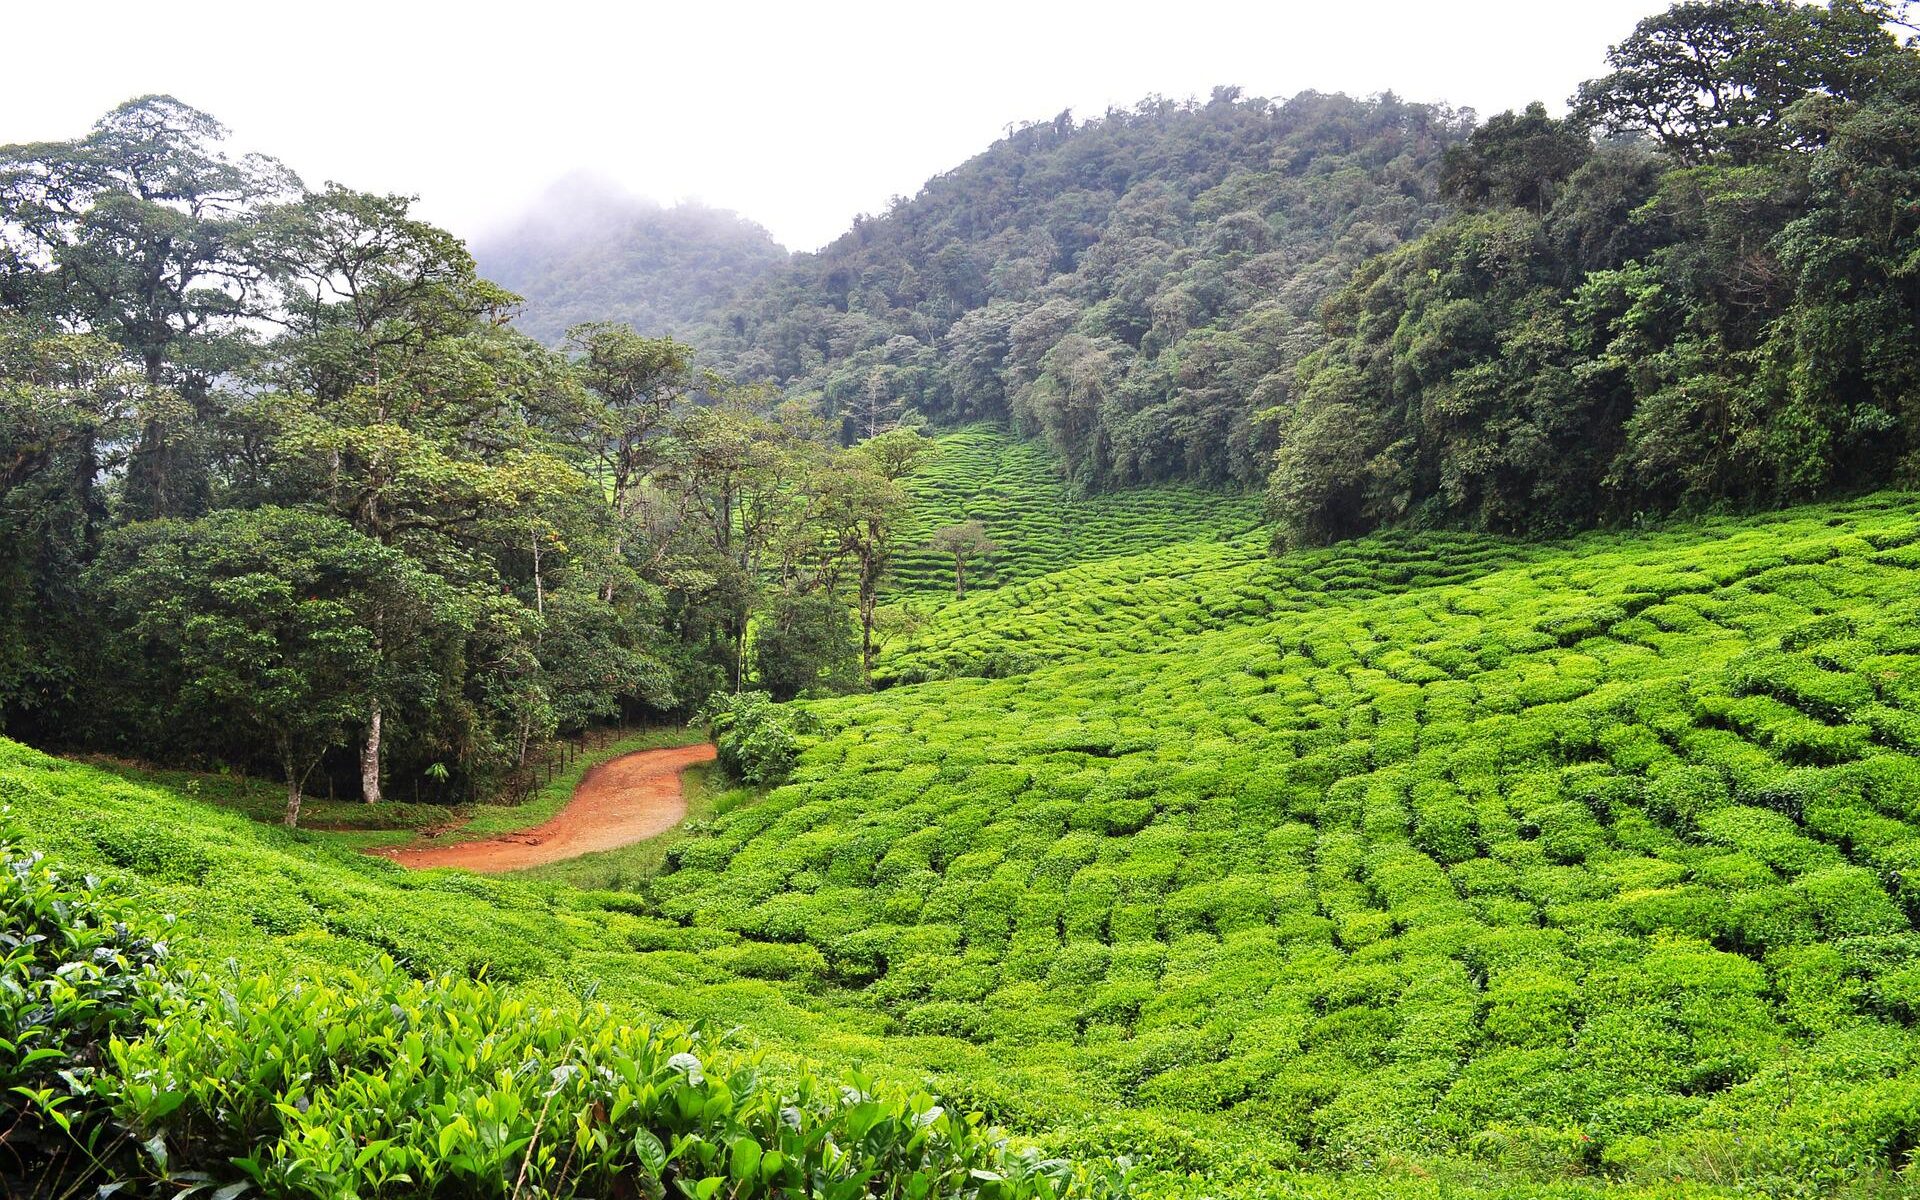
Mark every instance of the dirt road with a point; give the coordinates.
(626, 800)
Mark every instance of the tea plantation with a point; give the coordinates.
(1601, 862)
(1423, 866)
(1011, 487)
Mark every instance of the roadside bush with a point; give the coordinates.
(754, 737)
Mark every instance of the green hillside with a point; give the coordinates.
(1012, 487)
(1141, 601)
(1592, 863)
(1456, 866)
(1227, 649)
(277, 1024)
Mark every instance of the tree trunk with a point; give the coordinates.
(869, 600)
(539, 584)
(959, 578)
(292, 818)
(370, 756)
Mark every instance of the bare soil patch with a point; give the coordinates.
(625, 800)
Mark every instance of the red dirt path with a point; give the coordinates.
(625, 800)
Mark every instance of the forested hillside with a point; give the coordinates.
(1696, 288)
(1717, 302)
(587, 252)
(1131, 288)
(284, 490)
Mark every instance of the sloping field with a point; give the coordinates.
(1010, 486)
(1601, 862)
(1417, 867)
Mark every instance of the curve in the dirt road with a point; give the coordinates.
(622, 801)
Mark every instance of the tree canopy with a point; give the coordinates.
(1716, 306)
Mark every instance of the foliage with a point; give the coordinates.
(62, 397)
(508, 543)
(805, 644)
(1722, 77)
(266, 623)
(1395, 862)
(1430, 863)
(375, 1085)
(1130, 288)
(1608, 331)
(74, 974)
(756, 740)
(964, 542)
(140, 233)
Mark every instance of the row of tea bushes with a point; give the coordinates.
(1156, 598)
(120, 1074)
(1598, 860)
(1010, 486)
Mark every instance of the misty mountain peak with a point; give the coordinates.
(591, 248)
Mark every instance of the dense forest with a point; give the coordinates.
(1695, 288)
(1715, 302)
(280, 477)
(1133, 289)
(585, 251)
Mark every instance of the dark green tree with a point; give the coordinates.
(267, 621)
(143, 232)
(1712, 77)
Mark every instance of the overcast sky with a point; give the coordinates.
(798, 115)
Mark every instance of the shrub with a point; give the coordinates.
(754, 737)
(75, 972)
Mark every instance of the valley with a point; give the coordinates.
(1394, 876)
(1323, 647)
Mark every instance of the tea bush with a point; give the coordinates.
(388, 1086)
(74, 973)
(337, 1083)
(754, 739)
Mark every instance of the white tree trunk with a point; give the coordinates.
(370, 756)
(293, 782)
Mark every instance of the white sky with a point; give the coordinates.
(797, 115)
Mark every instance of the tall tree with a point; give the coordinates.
(739, 473)
(67, 401)
(1720, 76)
(401, 393)
(1515, 160)
(268, 620)
(963, 543)
(637, 382)
(860, 507)
(143, 233)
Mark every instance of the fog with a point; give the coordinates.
(797, 116)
